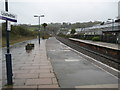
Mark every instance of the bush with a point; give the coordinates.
(73, 31)
(45, 35)
(96, 38)
(89, 38)
(20, 30)
(65, 36)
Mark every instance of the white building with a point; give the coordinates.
(119, 10)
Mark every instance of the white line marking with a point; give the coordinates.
(95, 61)
(105, 71)
(66, 50)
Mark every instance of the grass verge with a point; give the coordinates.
(16, 39)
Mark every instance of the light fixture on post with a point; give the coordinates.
(112, 23)
(39, 25)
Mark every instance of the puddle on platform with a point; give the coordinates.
(66, 50)
(72, 60)
(52, 50)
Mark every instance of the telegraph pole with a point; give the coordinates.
(8, 55)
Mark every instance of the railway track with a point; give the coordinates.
(112, 62)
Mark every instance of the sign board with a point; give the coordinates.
(8, 16)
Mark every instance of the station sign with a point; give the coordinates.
(4, 15)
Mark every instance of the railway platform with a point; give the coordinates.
(97, 43)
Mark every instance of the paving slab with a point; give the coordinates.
(19, 82)
(42, 81)
(48, 86)
(40, 71)
(25, 76)
(30, 67)
(21, 71)
(46, 75)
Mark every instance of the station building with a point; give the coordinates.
(119, 10)
(119, 21)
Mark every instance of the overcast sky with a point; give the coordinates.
(58, 11)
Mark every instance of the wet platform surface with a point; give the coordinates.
(31, 69)
(73, 70)
(0, 68)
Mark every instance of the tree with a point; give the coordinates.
(3, 29)
(72, 31)
(44, 25)
(102, 23)
(53, 28)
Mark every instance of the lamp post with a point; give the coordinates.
(113, 28)
(39, 26)
(112, 23)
